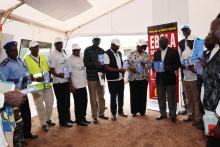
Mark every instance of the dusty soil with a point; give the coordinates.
(125, 132)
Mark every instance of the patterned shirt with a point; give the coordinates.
(134, 58)
(8, 120)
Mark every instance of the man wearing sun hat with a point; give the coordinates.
(38, 67)
(190, 84)
(59, 69)
(115, 75)
(78, 85)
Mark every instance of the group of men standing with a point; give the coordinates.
(74, 73)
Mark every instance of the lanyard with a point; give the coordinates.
(38, 63)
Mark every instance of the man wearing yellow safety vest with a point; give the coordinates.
(38, 67)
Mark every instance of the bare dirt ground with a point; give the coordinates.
(125, 132)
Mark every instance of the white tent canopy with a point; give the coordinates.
(102, 17)
(63, 15)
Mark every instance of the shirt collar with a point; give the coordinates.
(58, 51)
(113, 51)
(11, 60)
(164, 50)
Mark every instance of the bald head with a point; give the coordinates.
(163, 42)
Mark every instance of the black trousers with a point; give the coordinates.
(62, 94)
(80, 103)
(138, 96)
(199, 84)
(170, 90)
(26, 117)
(212, 142)
(116, 90)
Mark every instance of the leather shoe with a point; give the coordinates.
(161, 117)
(71, 121)
(122, 114)
(173, 119)
(196, 123)
(103, 117)
(134, 115)
(45, 128)
(86, 121)
(66, 125)
(187, 120)
(82, 124)
(95, 120)
(114, 118)
(50, 123)
(31, 136)
(183, 113)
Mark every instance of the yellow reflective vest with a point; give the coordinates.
(37, 68)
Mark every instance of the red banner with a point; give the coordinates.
(154, 33)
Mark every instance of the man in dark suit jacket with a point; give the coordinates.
(166, 81)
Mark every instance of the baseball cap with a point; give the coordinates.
(58, 39)
(116, 41)
(75, 46)
(141, 42)
(33, 43)
(185, 27)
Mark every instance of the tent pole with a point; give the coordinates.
(8, 12)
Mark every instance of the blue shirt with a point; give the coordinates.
(14, 70)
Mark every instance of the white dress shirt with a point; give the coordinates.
(188, 75)
(118, 60)
(78, 72)
(163, 54)
(3, 142)
(214, 51)
(58, 60)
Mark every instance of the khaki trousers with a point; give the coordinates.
(192, 96)
(43, 101)
(9, 138)
(97, 101)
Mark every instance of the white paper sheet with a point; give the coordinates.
(102, 81)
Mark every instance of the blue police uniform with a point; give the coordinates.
(14, 70)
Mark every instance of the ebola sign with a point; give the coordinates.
(154, 33)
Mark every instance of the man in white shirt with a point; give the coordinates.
(115, 75)
(190, 84)
(78, 85)
(59, 70)
(14, 98)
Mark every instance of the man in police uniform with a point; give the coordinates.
(38, 67)
(14, 70)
